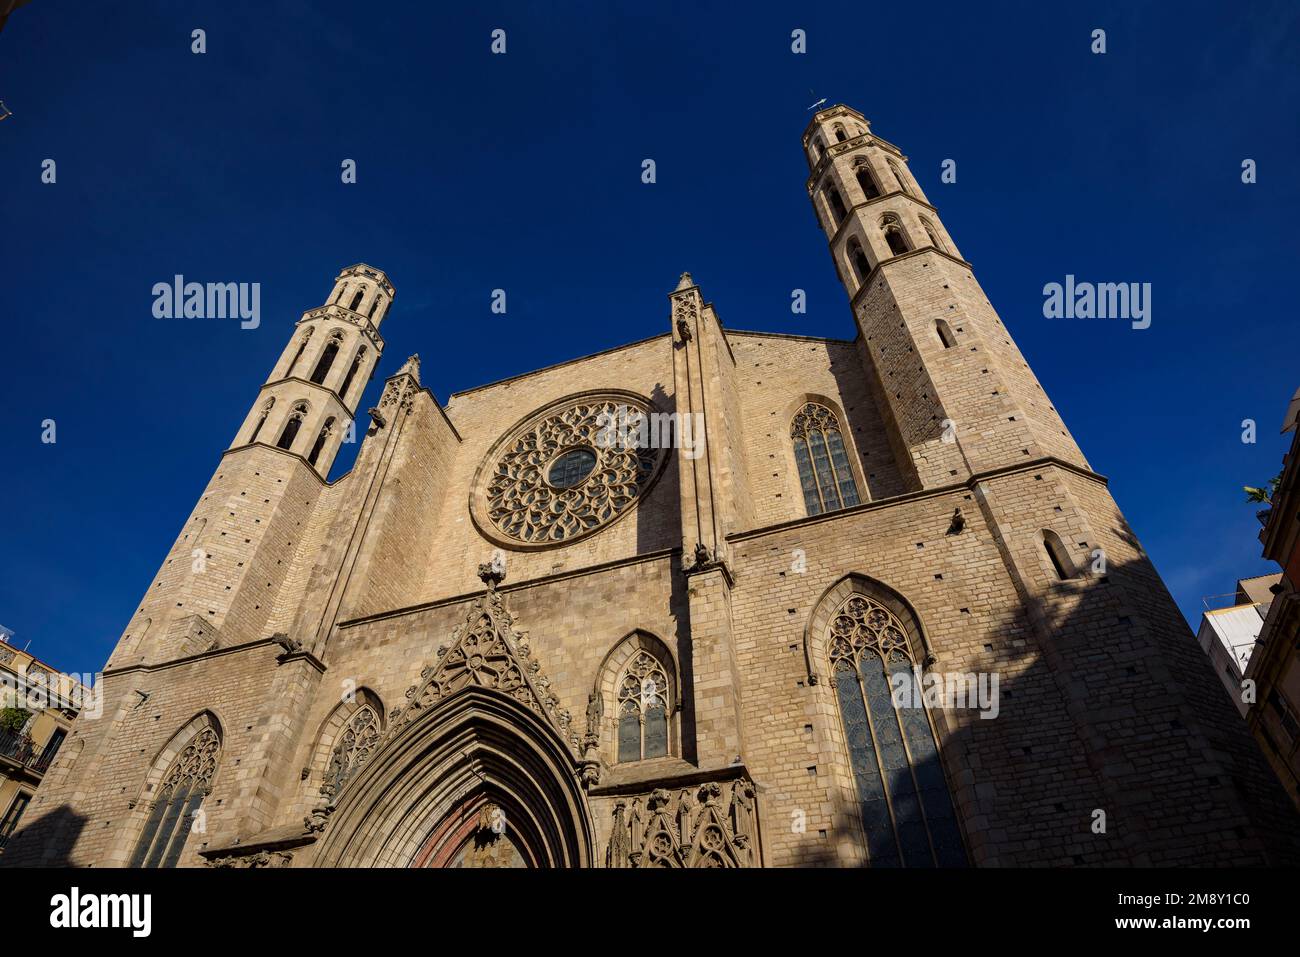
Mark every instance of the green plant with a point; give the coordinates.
(13, 719)
(1259, 495)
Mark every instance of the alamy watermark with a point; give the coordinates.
(41, 689)
(950, 690)
(629, 428)
(213, 300)
(1102, 300)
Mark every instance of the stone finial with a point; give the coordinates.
(411, 367)
(684, 282)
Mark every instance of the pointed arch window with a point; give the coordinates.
(930, 231)
(327, 356)
(838, 210)
(892, 227)
(325, 432)
(824, 472)
(352, 372)
(643, 708)
(186, 784)
(867, 181)
(861, 267)
(1058, 555)
(302, 344)
(356, 743)
(840, 135)
(903, 799)
(944, 332)
(266, 410)
(356, 300)
(898, 175)
(292, 426)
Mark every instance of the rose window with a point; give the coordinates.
(570, 471)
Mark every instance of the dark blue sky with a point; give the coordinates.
(522, 172)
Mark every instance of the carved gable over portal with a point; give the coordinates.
(486, 651)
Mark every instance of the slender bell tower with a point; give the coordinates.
(218, 584)
(959, 396)
(309, 400)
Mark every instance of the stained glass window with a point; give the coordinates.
(183, 789)
(903, 801)
(825, 476)
(571, 468)
(643, 709)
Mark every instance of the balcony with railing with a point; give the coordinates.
(21, 752)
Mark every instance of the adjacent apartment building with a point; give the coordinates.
(1228, 635)
(37, 705)
(1274, 718)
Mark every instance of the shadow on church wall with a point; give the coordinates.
(1110, 715)
(46, 841)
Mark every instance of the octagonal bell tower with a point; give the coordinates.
(959, 395)
(308, 402)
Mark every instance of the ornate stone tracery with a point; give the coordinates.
(355, 745)
(904, 805)
(825, 476)
(194, 766)
(487, 651)
(521, 504)
(643, 709)
(864, 624)
(713, 826)
(187, 782)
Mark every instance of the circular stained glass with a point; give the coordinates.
(569, 471)
(571, 468)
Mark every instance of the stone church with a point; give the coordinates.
(711, 599)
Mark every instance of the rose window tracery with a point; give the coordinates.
(570, 472)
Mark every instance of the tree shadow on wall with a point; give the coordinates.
(1102, 719)
(46, 841)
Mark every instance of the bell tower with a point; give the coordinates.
(218, 584)
(959, 396)
(309, 400)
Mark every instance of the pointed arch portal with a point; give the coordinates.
(477, 780)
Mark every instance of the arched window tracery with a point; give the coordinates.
(261, 421)
(859, 261)
(898, 175)
(892, 227)
(326, 430)
(327, 357)
(291, 427)
(643, 707)
(355, 745)
(171, 817)
(867, 181)
(904, 805)
(302, 344)
(825, 475)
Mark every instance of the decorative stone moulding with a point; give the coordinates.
(569, 470)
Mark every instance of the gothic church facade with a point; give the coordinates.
(504, 639)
